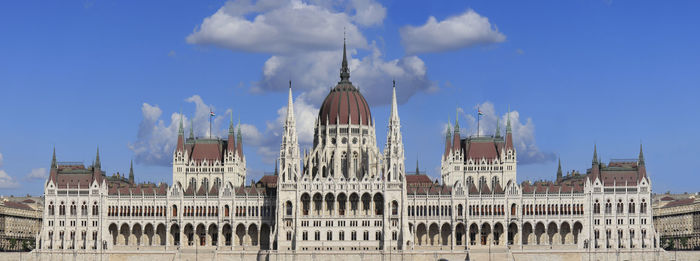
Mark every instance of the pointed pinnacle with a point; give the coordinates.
(53, 160)
(595, 153)
(457, 120)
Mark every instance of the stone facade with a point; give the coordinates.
(20, 222)
(346, 197)
(678, 222)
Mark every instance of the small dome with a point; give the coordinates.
(345, 102)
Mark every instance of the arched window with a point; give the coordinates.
(226, 210)
(193, 184)
(394, 208)
(378, 204)
(631, 209)
(174, 210)
(482, 182)
(289, 208)
(470, 181)
(205, 183)
(355, 164)
(217, 183)
(305, 202)
(596, 207)
(494, 181)
(344, 164)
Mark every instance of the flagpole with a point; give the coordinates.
(478, 120)
(210, 112)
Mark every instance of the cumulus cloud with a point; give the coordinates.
(316, 72)
(304, 41)
(7, 181)
(268, 141)
(368, 12)
(523, 131)
(283, 27)
(38, 174)
(456, 32)
(156, 138)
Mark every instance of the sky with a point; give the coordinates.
(119, 75)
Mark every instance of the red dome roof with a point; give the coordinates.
(345, 103)
(342, 101)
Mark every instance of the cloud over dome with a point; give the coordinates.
(465, 30)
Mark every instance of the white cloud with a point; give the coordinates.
(304, 41)
(465, 30)
(156, 139)
(38, 174)
(313, 74)
(523, 131)
(6, 181)
(281, 27)
(268, 142)
(368, 12)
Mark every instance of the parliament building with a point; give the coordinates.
(346, 195)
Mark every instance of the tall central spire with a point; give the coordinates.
(394, 107)
(290, 106)
(344, 70)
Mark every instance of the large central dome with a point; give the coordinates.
(345, 104)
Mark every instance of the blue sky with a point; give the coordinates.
(114, 74)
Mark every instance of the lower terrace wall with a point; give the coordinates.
(474, 254)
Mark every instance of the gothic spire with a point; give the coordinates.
(344, 70)
(53, 160)
(290, 106)
(97, 159)
(641, 155)
(131, 172)
(417, 169)
(180, 130)
(508, 129)
(191, 129)
(457, 121)
(595, 154)
(498, 129)
(394, 107)
(230, 126)
(559, 172)
(276, 162)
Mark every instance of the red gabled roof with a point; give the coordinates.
(17, 205)
(667, 198)
(202, 191)
(210, 152)
(473, 190)
(680, 202)
(418, 178)
(485, 189)
(214, 190)
(269, 181)
(482, 149)
(498, 189)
